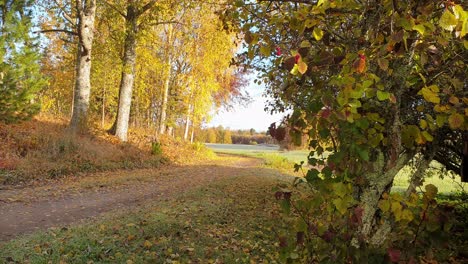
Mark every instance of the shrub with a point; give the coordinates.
(156, 148)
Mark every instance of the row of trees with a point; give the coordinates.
(148, 63)
(226, 136)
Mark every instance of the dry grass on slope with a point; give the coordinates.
(42, 149)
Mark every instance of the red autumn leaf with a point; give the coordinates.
(326, 113)
(283, 242)
(394, 255)
(360, 64)
(278, 195)
(278, 51)
(358, 212)
(297, 58)
(300, 238)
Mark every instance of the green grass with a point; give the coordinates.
(446, 182)
(284, 160)
(228, 221)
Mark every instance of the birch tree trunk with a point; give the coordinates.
(187, 123)
(86, 15)
(120, 127)
(193, 133)
(165, 95)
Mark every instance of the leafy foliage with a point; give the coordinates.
(369, 83)
(20, 79)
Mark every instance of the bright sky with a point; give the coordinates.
(251, 116)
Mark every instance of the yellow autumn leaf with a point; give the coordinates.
(430, 96)
(318, 33)
(454, 100)
(427, 136)
(423, 124)
(455, 121)
(302, 67)
(147, 244)
(448, 21)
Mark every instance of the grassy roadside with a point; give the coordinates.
(269, 160)
(446, 182)
(42, 149)
(228, 221)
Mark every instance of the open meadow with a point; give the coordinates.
(446, 182)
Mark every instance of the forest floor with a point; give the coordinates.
(143, 215)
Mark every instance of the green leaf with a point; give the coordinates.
(384, 205)
(397, 210)
(363, 154)
(294, 255)
(455, 121)
(440, 120)
(431, 191)
(383, 64)
(410, 135)
(265, 50)
(305, 44)
(311, 22)
(341, 205)
(464, 28)
(381, 95)
(448, 21)
(407, 215)
(427, 136)
(301, 225)
(318, 33)
(429, 95)
(420, 28)
(312, 175)
(286, 206)
(340, 189)
(249, 37)
(367, 83)
(423, 124)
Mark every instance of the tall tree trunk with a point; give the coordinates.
(162, 120)
(86, 16)
(187, 123)
(193, 133)
(120, 127)
(380, 179)
(103, 110)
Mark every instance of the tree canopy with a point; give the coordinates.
(376, 85)
(20, 78)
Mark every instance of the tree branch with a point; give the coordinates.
(57, 30)
(65, 14)
(146, 7)
(114, 8)
(164, 23)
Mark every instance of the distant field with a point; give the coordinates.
(445, 182)
(258, 150)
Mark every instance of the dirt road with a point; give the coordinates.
(58, 204)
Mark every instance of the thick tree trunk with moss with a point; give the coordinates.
(379, 182)
(86, 16)
(380, 179)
